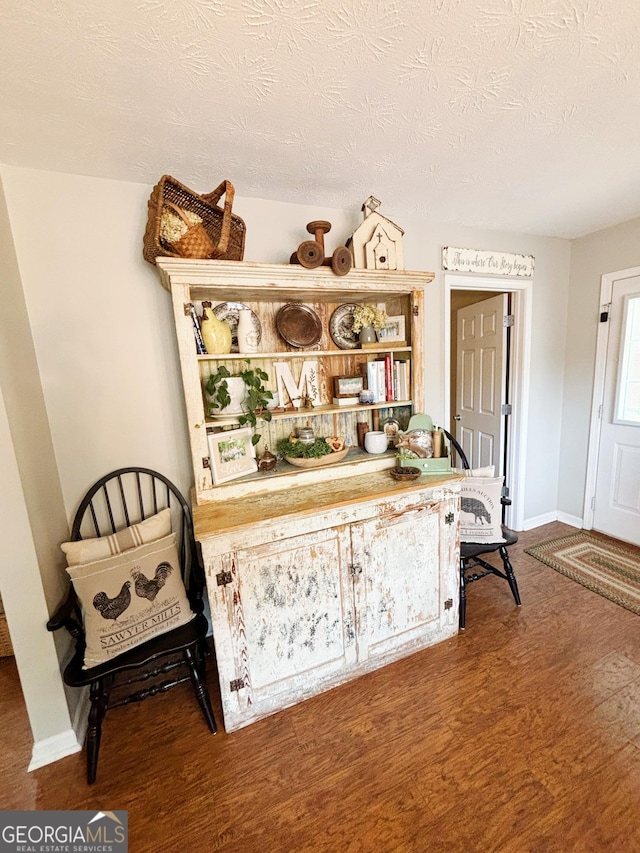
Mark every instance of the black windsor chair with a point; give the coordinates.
(119, 500)
(472, 553)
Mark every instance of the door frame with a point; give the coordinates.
(597, 399)
(519, 378)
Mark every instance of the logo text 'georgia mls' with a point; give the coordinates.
(63, 832)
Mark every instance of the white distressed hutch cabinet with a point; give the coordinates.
(314, 576)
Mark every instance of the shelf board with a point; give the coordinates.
(309, 353)
(357, 462)
(248, 281)
(278, 414)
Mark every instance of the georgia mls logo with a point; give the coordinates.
(118, 831)
(63, 832)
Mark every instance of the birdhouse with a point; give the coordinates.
(376, 244)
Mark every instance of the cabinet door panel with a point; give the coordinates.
(398, 595)
(288, 621)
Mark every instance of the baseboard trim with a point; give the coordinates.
(548, 517)
(539, 520)
(573, 520)
(53, 749)
(66, 743)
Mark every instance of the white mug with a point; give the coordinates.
(375, 442)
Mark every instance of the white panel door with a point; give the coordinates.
(617, 496)
(481, 381)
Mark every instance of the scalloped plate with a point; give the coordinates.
(341, 327)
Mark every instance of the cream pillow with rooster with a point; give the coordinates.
(130, 597)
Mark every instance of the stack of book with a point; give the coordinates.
(346, 401)
(388, 379)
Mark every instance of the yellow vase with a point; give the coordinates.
(216, 333)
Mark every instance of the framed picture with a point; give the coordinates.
(232, 454)
(347, 386)
(393, 331)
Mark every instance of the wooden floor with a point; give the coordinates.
(520, 734)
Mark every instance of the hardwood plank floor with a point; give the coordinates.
(520, 734)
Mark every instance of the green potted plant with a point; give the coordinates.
(250, 398)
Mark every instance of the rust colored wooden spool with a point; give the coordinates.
(340, 261)
(310, 253)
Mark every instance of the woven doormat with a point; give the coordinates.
(612, 571)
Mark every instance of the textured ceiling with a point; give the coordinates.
(512, 114)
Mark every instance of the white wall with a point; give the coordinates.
(101, 325)
(105, 345)
(103, 331)
(32, 518)
(602, 252)
(422, 247)
(26, 609)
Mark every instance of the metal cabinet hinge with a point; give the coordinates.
(416, 311)
(448, 604)
(188, 308)
(508, 320)
(206, 462)
(604, 314)
(506, 409)
(355, 569)
(448, 519)
(223, 578)
(236, 684)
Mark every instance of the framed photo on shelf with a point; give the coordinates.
(393, 332)
(347, 386)
(232, 454)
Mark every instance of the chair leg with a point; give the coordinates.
(99, 700)
(462, 607)
(508, 570)
(200, 689)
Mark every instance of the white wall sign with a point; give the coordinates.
(488, 263)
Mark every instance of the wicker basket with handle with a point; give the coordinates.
(224, 230)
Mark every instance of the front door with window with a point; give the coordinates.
(617, 496)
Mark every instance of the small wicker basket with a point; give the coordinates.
(194, 241)
(220, 233)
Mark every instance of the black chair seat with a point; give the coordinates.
(474, 549)
(75, 675)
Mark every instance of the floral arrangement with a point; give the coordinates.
(369, 315)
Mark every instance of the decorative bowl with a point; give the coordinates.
(401, 473)
(318, 462)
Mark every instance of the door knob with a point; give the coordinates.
(457, 417)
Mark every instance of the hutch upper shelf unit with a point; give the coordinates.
(265, 288)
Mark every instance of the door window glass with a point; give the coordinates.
(627, 407)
